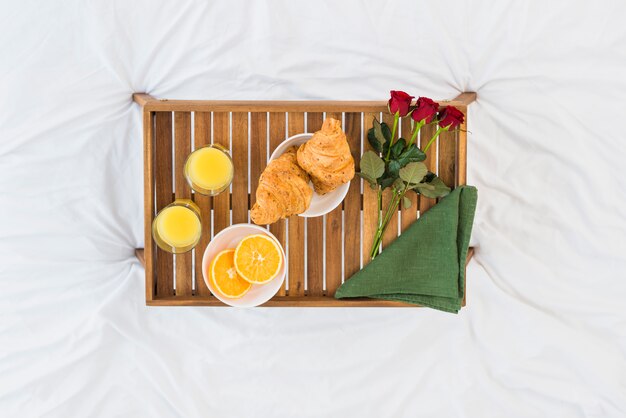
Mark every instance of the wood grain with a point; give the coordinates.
(296, 226)
(426, 134)
(221, 202)
(142, 99)
(334, 250)
(276, 106)
(370, 197)
(462, 100)
(240, 161)
(148, 201)
(408, 216)
(447, 155)
(287, 302)
(461, 151)
(164, 187)
(182, 149)
(139, 254)
(315, 231)
(258, 150)
(278, 134)
(391, 233)
(202, 137)
(352, 202)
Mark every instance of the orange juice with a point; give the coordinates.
(209, 170)
(177, 228)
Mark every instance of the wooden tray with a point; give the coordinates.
(321, 252)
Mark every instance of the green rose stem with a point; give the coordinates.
(440, 130)
(393, 207)
(380, 205)
(418, 126)
(379, 212)
(396, 117)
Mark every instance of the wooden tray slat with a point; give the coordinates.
(164, 187)
(447, 149)
(182, 148)
(258, 150)
(461, 148)
(352, 203)
(286, 302)
(278, 133)
(391, 233)
(240, 160)
(334, 250)
(315, 231)
(202, 137)
(151, 104)
(149, 249)
(221, 202)
(296, 226)
(371, 210)
(426, 133)
(408, 216)
(322, 251)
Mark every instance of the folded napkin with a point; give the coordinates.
(426, 264)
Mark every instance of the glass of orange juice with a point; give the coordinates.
(178, 226)
(209, 169)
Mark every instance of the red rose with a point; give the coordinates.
(400, 102)
(450, 117)
(425, 111)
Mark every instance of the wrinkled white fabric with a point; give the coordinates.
(544, 332)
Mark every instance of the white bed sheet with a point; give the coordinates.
(544, 332)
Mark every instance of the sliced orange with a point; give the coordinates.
(224, 277)
(258, 258)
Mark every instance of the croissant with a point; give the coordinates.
(326, 157)
(283, 190)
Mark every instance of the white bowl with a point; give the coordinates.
(320, 204)
(229, 238)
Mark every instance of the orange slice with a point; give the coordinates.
(258, 258)
(224, 277)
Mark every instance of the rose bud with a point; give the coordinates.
(425, 111)
(450, 117)
(400, 103)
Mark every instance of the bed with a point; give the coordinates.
(544, 330)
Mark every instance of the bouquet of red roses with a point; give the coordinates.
(398, 165)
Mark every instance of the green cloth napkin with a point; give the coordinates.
(426, 264)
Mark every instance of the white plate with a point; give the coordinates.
(320, 204)
(229, 238)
